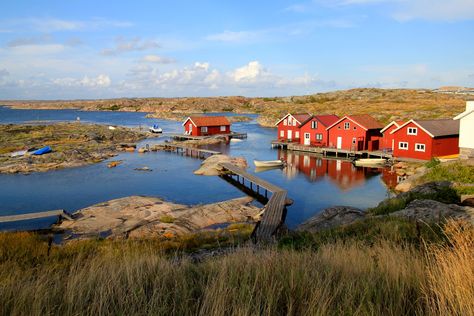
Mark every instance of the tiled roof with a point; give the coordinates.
(301, 117)
(366, 121)
(438, 128)
(327, 119)
(209, 120)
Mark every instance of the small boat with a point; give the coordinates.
(42, 151)
(370, 162)
(18, 153)
(156, 129)
(268, 163)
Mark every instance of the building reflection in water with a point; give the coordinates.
(342, 173)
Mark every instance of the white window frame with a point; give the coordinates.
(294, 122)
(412, 131)
(204, 129)
(307, 135)
(285, 122)
(282, 133)
(400, 145)
(314, 124)
(223, 128)
(297, 135)
(347, 125)
(420, 150)
(354, 140)
(319, 136)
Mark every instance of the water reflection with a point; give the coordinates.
(342, 173)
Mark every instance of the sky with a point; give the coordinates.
(108, 49)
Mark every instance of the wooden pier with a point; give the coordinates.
(191, 151)
(191, 137)
(331, 151)
(60, 214)
(274, 211)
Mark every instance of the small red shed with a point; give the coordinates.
(388, 142)
(206, 125)
(425, 139)
(313, 130)
(355, 132)
(289, 126)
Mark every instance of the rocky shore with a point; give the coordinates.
(73, 145)
(147, 217)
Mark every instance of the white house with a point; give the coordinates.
(466, 131)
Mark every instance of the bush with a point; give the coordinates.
(432, 163)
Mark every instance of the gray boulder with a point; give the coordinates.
(332, 217)
(433, 211)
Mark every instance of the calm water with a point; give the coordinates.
(313, 183)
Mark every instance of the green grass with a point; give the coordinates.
(167, 219)
(458, 172)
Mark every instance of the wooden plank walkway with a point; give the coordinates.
(273, 216)
(38, 215)
(200, 153)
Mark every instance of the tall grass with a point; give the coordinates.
(343, 277)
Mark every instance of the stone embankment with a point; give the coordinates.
(145, 217)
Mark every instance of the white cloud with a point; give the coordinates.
(37, 49)
(158, 59)
(444, 10)
(4, 73)
(101, 81)
(235, 36)
(249, 72)
(123, 45)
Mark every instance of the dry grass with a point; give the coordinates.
(348, 278)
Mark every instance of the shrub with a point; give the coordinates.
(432, 163)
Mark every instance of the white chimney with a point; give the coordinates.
(469, 105)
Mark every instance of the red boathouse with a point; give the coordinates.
(388, 142)
(313, 131)
(289, 126)
(206, 125)
(355, 132)
(425, 139)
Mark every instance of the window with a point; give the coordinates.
(294, 122)
(223, 129)
(284, 122)
(355, 128)
(319, 136)
(297, 135)
(354, 140)
(420, 147)
(282, 133)
(412, 131)
(314, 124)
(204, 129)
(347, 125)
(403, 145)
(306, 135)
(190, 128)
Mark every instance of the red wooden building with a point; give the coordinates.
(388, 142)
(289, 126)
(206, 125)
(425, 139)
(313, 131)
(355, 132)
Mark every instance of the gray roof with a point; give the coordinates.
(440, 128)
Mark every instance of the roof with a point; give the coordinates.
(324, 119)
(300, 117)
(463, 114)
(208, 120)
(396, 123)
(364, 120)
(435, 128)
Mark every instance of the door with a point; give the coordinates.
(190, 128)
(290, 135)
(307, 139)
(339, 142)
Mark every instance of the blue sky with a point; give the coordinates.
(95, 49)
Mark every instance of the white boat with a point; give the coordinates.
(370, 162)
(268, 163)
(156, 129)
(18, 153)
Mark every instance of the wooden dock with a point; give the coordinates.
(331, 151)
(191, 151)
(275, 209)
(29, 216)
(191, 137)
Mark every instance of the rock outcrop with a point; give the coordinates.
(332, 217)
(433, 211)
(138, 216)
(211, 166)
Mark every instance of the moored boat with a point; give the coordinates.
(268, 163)
(156, 129)
(42, 151)
(370, 162)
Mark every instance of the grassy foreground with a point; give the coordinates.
(350, 276)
